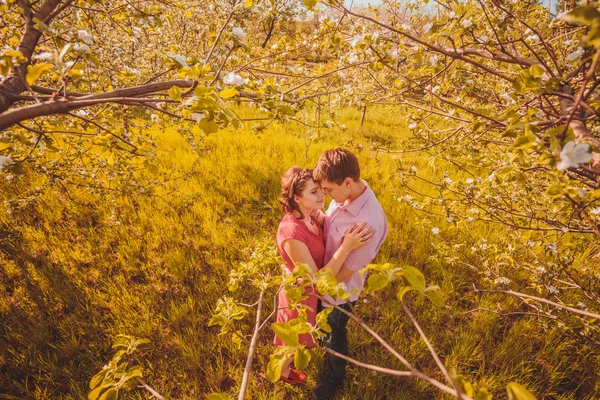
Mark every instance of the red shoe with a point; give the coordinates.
(295, 377)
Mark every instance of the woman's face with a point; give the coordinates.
(311, 197)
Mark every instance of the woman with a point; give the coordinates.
(300, 239)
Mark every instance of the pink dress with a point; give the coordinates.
(291, 227)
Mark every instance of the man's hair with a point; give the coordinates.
(337, 165)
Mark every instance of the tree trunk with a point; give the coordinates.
(272, 21)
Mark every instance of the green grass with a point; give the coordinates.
(72, 279)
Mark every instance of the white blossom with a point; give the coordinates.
(552, 246)
(502, 280)
(179, 58)
(530, 243)
(435, 230)
(581, 304)
(470, 219)
(541, 270)
(484, 39)
(5, 162)
(466, 23)
(43, 56)
(353, 59)
(449, 219)
(84, 37)
(406, 27)
(448, 181)
(469, 180)
(427, 27)
(595, 211)
(239, 32)
(137, 32)
(552, 289)
(507, 98)
(356, 40)
(81, 47)
(574, 154)
(197, 116)
(451, 15)
(233, 79)
(413, 168)
(532, 38)
(575, 55)
(412, 126)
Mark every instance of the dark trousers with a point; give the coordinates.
(337, 340)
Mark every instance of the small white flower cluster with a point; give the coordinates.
(179, 58)
(502, 280)
(552, 289)
(239, 33)
(574, 154)
(356, 40)
(5, 162)
(233, 79)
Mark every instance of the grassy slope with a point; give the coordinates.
(72, 279)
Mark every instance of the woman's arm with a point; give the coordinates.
(356, 236)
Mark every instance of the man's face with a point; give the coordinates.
(339, 193)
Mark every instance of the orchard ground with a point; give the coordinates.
(73, 276)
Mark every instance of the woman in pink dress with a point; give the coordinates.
(300, 239)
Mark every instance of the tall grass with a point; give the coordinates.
(153, 266)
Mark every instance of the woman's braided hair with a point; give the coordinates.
(293, 183)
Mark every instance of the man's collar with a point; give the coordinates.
(357, 204)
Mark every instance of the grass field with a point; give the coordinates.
(73, 277)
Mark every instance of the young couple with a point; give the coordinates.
(345, 239)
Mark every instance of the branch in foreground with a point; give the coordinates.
(542, 300)
(412, 369)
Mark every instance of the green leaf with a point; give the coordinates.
(201, 90)
(434, 295)
(135, 371)
(402, 291)
(593, 36)
(518, 392)
(229, 93)
(523, 142)
(310, 4)
(377, 282)
(414, 278)
(483, 394)
(97, 379)
(276, 362)
(110, 394)
(175, 93)
(208, 126)
(554, 191)
(34, 72)
(585, 15)
(93, 395)
(321, 322)
(301, 358)
(286, 333)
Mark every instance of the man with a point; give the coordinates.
(352, 202)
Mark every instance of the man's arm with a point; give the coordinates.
(344, 274)
(360, 258)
